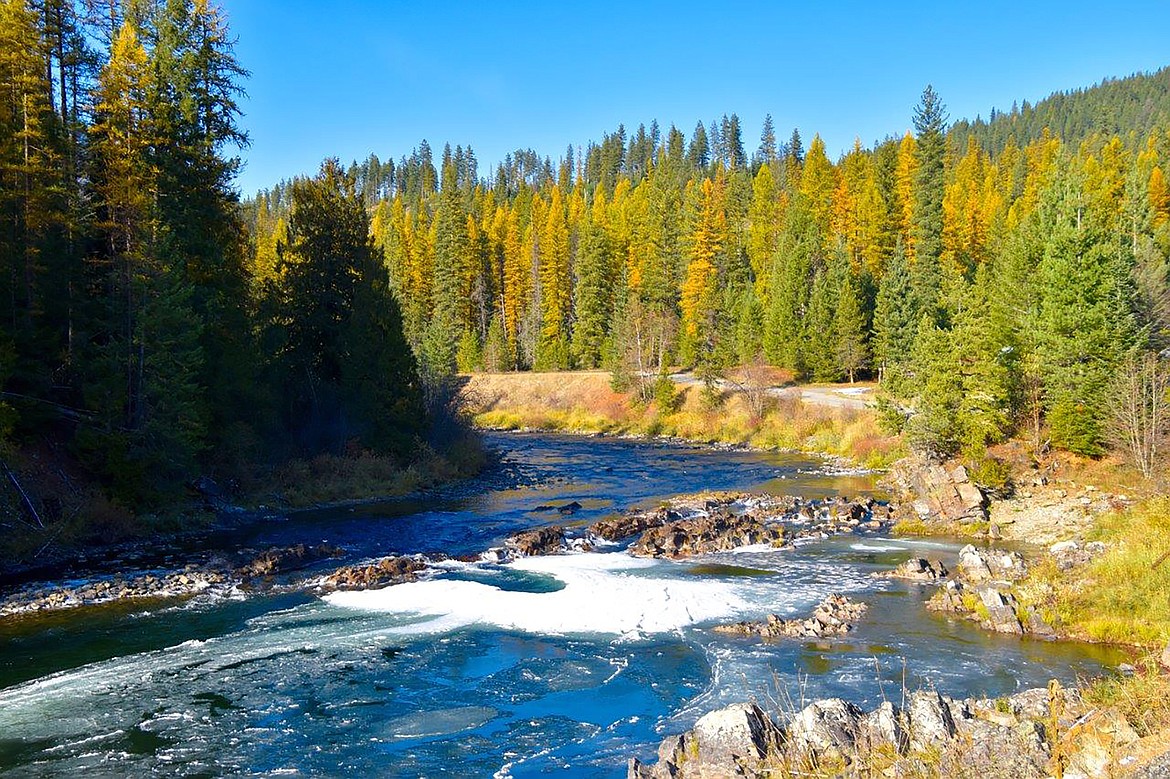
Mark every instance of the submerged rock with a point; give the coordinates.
(834, 616)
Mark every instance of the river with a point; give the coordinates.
(563, 665)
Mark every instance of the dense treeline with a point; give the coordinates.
(1137, 104)
(993, 276)
(133, 331)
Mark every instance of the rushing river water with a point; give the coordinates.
(563, 665)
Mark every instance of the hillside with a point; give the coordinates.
(1115, 106)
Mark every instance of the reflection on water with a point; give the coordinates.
(565, 664)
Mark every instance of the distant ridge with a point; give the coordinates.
(1134, 104)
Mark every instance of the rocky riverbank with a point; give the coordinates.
(1032, 734)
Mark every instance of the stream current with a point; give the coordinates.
(564, 665)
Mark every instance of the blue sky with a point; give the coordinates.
(348, 78)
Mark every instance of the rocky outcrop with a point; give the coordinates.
(918, 569)
(938, 493)
(931, 735)
(740, 740)
(803, 517)
(383, 573)
(287, 558)
(984, 565)
(540, 541)
(623, 526)
(834, 616)
(1072, 554)
(704, 535)
(982, 590)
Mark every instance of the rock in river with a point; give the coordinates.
(704, 535)
(540, 541)
(834, 616)
(918, 569)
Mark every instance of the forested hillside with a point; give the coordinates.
(1122, 106)
(136, 344)
(995, 278)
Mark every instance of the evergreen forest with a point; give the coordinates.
(997, 277)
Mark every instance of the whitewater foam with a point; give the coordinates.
(610, 593)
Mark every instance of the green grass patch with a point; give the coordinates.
(1122, 597)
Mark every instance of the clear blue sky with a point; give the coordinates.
(352, 77)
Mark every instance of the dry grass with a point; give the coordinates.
(584, 402)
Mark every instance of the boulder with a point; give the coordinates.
(288, 558)
(738, 740)
(940, 494)
(623, 526)
(884, 729)
(931, 722)
(1002, 616)
(982, 565)
(824, 728)
(540, 541)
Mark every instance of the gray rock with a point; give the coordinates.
(931, 723)
(1001, 611)
(735, 741)
(825, 727)
(884, 728)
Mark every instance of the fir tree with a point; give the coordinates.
(930, 125)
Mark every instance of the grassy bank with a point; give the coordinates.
(584, 402)
(1121, 597)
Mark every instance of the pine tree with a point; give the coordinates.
(451, 249)
(343, 365)
(934, 427)
(767, 153)
(1085, 328)
(699, 152)
(894, 326)
(927, 226)
(594, 290)
(820, 336)
(852, 353)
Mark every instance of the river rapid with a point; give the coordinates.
(563, 665)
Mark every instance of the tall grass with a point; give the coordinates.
(1123, 596)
